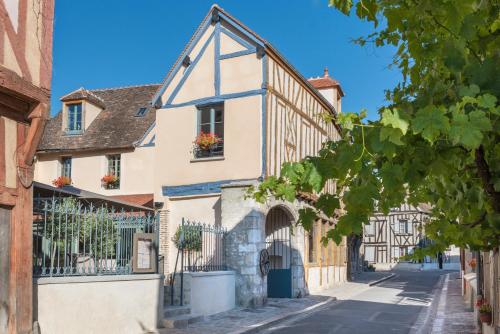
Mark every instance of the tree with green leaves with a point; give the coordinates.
(436, 141)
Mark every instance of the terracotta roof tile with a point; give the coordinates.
(114, 127)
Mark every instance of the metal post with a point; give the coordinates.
(181, 237)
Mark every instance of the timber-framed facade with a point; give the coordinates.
(25, 74)
(389, 237)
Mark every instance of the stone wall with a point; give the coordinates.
(245, 221)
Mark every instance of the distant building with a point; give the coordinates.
(389, 237)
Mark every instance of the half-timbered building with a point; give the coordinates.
(389, 237)
(25, 74)
(234, 85)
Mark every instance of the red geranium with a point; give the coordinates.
(109, 179)
(205, 141)
(61, 181)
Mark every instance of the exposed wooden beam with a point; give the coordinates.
(12, 84)
(14, 103)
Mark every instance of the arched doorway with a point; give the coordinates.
(278, 245)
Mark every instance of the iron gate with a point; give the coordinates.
(278, 245)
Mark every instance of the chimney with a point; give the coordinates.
(325, 73)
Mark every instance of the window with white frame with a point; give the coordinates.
(210, 133)
(370, 229)
(402, 226)
(66, 163)
(114, 172)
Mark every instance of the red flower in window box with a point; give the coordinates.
(108, 180)
(205, 141)
(61, 181)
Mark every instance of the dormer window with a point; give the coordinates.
(74, 113)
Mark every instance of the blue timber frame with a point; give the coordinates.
(197, 188)
(216, 99)
(198, 34)
(252, 44)
(190, 69)
(140, 142)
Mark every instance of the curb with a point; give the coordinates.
(381, 280)
(273, 321)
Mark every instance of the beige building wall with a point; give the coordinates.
(88, 168)
(177, 127)
(201, 209)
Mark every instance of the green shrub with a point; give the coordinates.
(192, 240)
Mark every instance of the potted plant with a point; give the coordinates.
(205, 143)
(485, 312)
(109, 181)
(61, 181)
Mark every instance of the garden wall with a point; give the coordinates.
(98, 304)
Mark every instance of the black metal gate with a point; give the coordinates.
(278, 245)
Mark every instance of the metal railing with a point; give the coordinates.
(72, 239)
(202, 245)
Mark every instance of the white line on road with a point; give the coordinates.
(438, 325)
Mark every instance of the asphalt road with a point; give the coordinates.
(392, 306)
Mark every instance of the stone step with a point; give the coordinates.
(172, 311)
(181, 321)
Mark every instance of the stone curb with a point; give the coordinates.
(381, 280)
(273, 321)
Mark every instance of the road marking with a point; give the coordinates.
(438, 325)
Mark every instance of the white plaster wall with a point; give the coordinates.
(204, 209)
(240, 74)
(321, 278)
(200, 81)
(229, 45)
(88, 169)
(98, 304)
(192, 55)
(90, 113)
(176, 131)
(212, 292)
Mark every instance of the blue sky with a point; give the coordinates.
(113, 43)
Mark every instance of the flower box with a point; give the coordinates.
(61, 181)
(110, 181)
(207, 145)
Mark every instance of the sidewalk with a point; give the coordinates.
(448, 314)
(244, 320)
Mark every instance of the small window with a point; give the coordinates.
(74, 117)
(370, 229)
(210, 137)
(401, 227)
(66, 167)
(141, 112)
(114, 169)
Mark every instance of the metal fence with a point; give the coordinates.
(72, 239)
(202, 246)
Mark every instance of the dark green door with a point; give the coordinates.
(278, 245)
(279, 283)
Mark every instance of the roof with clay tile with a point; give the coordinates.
(116, 126)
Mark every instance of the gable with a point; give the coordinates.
(219, 51)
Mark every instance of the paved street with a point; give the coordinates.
(411, 302)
